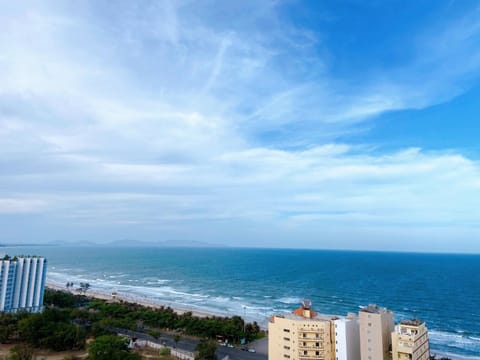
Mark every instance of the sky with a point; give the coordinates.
(299, 124)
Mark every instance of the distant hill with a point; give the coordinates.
(25, 244)
(166, 243)
(124, 243)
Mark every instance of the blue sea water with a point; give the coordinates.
(442, 289)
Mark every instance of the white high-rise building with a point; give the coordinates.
(347, 338)
(22, 283)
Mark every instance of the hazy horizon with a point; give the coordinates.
(201, 245)
(278, 124)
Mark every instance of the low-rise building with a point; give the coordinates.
(410, 341)
(22, 283)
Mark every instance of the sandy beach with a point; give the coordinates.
(128, 298)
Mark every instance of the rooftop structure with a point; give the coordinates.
(374, 309)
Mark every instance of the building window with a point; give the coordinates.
(286, 330)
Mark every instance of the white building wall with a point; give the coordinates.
(31, 281)
(18, 284)
(24, 283)
(4, 268)
(347, 339)
(39, 283)
(25, 287)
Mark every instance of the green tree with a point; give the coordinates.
(8, 327)
(84, 287)
(52, 329)
(21, 352)
(164, 351)
(111, 347)
(176, 338)
(206, 350)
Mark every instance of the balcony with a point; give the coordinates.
(312, 356)
(311, 347)
(312, 338)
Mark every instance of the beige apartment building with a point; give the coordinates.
(410, 341)
(376, 327)
(301, 335)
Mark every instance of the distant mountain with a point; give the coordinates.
(166, 243)
(25, 244)
(124, 243)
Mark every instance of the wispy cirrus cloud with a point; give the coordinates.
(158, 117)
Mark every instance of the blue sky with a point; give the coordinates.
(327, 124)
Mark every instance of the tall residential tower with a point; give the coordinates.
(22, 283)
(376, 327)
(347, 338)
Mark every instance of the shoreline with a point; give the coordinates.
(143, 301)
(132, 299)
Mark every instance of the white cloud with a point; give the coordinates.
(21, 205)
(153, 115)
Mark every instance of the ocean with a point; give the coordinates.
(441, 289)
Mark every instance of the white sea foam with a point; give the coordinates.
(289, 300)
(256, 309)
(447, 342)
(453, 356)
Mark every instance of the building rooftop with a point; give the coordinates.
(374, 309)
(6, 257)
(412, 322)
(305, 313)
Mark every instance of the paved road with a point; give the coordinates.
(190, 344)
(237, 354)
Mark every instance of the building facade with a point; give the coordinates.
(301, 335)
(376, 327)
(347, 338)
(410, 341)
(22, 283)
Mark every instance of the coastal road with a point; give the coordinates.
(237, 354)
(190, 344)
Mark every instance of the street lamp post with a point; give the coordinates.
(244, 320)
